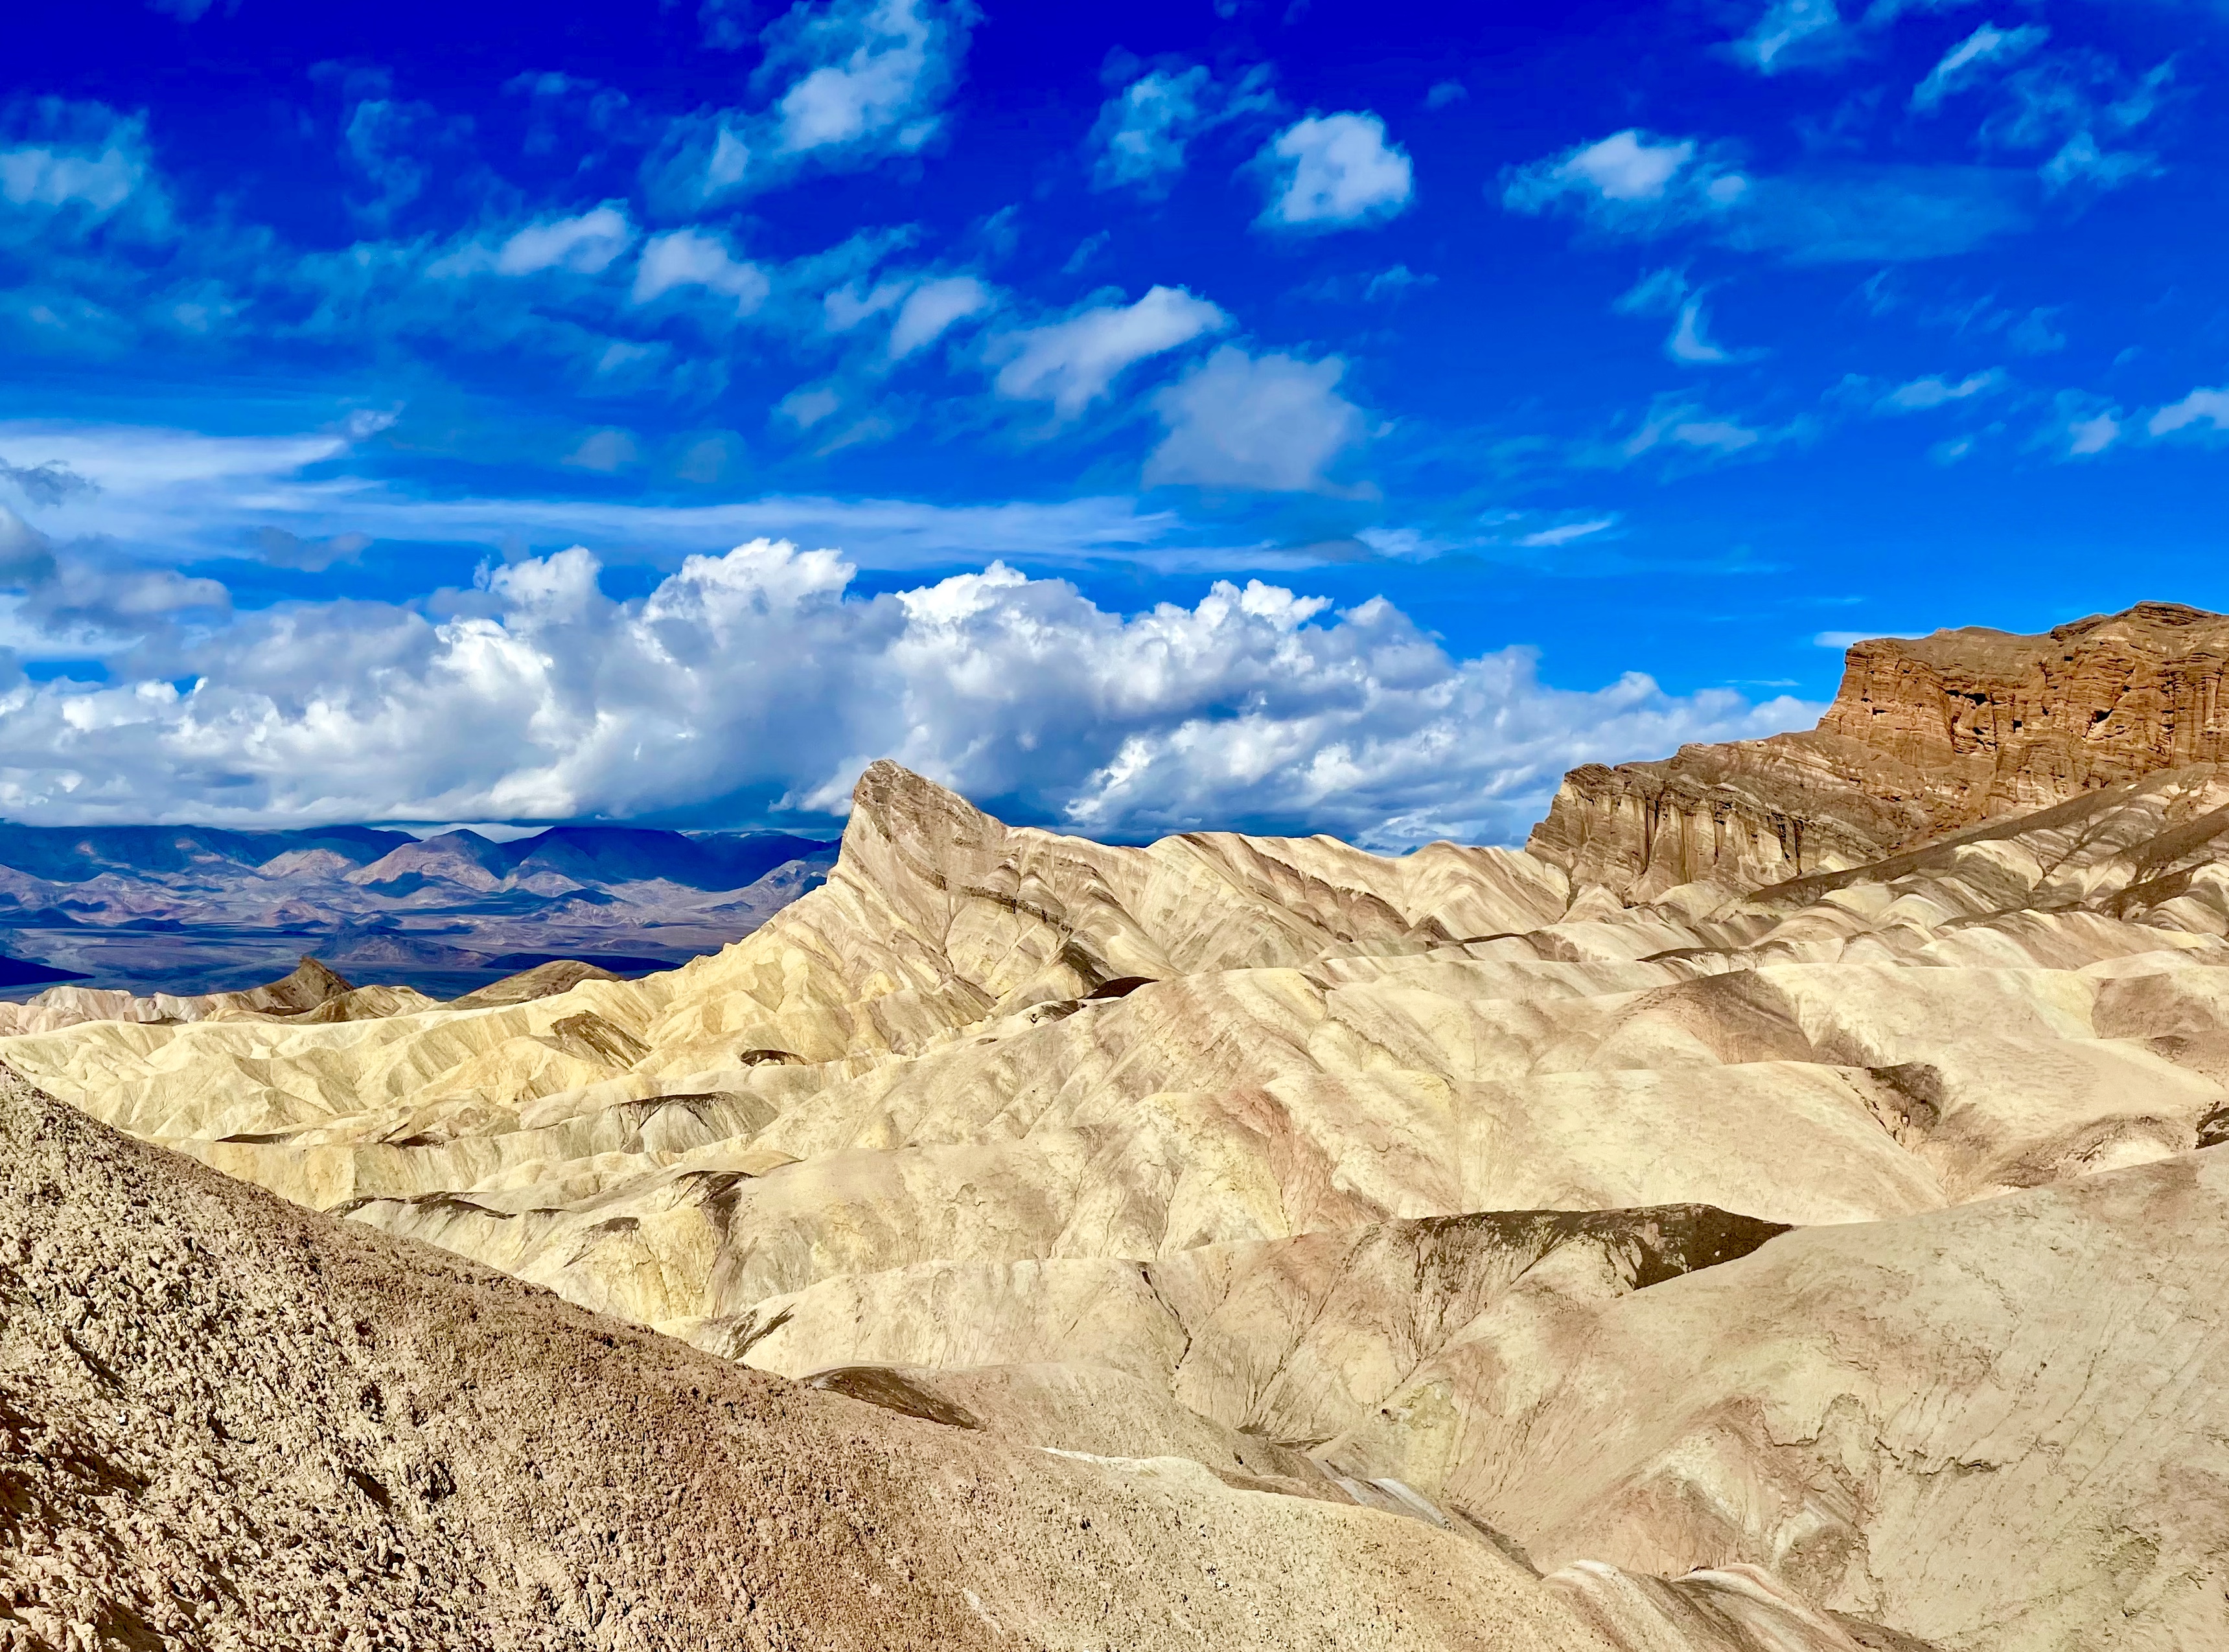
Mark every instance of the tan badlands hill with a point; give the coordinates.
(229, 1424)
(1446, 1184)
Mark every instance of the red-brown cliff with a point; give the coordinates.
(1926, 736)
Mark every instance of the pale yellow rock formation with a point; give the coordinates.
(231, 1423)
(2002, 1424)
(542, 980)
(1446, 1185)
(312, 989)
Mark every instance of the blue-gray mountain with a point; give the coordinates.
(195, 909)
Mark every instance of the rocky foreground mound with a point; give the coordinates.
(1851, 1237)
(229, 1424)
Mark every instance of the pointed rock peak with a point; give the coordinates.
(310, 967)
(312, 975)
(910, 808)
(310, 984)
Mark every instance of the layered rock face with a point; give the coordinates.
(1440, 1192)
(1925, 737)
(1815, 1263)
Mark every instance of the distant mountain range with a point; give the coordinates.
(194, 909)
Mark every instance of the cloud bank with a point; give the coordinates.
(759, 682)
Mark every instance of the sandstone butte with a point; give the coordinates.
(1927, 736)
(1777, 1209)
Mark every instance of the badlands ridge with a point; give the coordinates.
(1775, 1210)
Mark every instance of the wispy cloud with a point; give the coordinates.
(695, 257)
(2203, 411)
(2079, 161)
(2080, 425)
(1143, 136)
(1919, 395)
(1988, 49)
(583, 244)
(1636, 185)
(70, 169)
(1680, 434)
(2077, 104)
(1072, 362)
(933, 309)
(1691, 342)
(1815, 35)
(1839, 640)
(1567, 533)
(859, 80)
(1500, 535)
(1668, 292)
(186, 497)
(1791, 32)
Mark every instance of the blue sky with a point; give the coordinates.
(1293, 415)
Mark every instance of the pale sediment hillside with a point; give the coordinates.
(1456, 1185)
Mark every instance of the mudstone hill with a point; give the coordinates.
(1777, 1209)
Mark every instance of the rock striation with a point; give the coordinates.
(1819, 1261)
(1927, 736)
(227, 1422)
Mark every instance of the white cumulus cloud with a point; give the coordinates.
(760, 679)
(1625, 166)
(1333, 172)
(876, 70)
